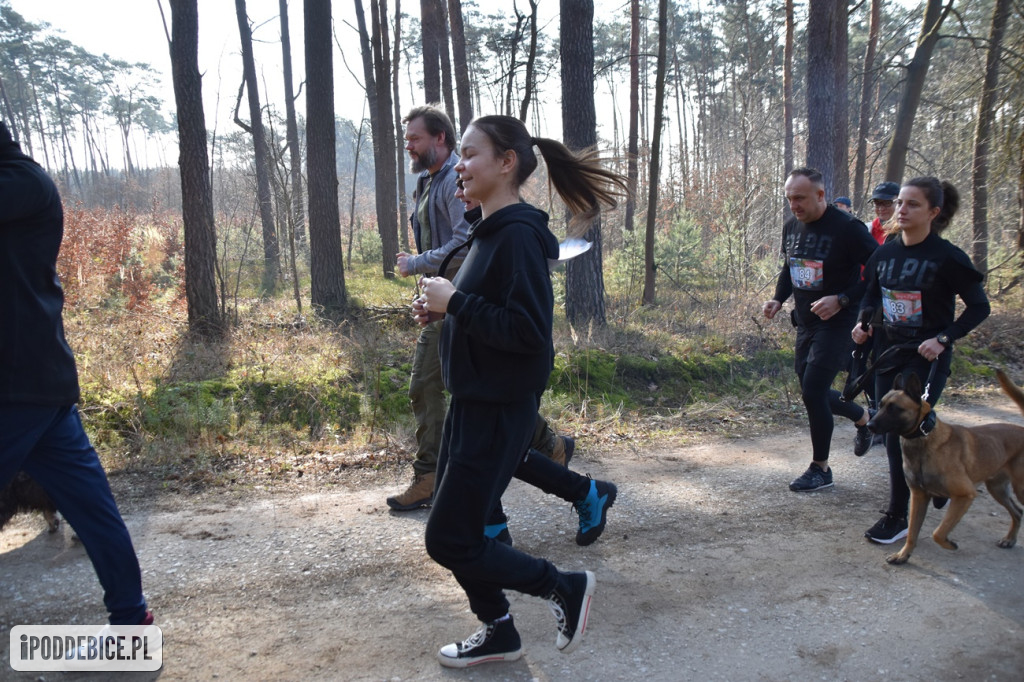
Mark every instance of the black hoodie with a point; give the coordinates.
(496, 339)
(36, 364)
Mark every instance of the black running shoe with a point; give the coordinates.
(812, 479)
(570, 602)
(888, 530)
(495, 641)
(865, 438)
(593, 511)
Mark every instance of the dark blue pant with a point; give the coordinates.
(50, 445)
(481, 449)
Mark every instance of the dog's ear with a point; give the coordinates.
(897, 384)
(912, 386)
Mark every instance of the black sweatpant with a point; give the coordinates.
(554, 479)
(821, 351)
(481, 448)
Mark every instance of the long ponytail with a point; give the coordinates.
(580, 179)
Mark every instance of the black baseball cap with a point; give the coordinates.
(886, 191)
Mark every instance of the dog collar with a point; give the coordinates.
(924, 428)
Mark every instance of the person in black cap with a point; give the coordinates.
(885, 193)
(843, 204)
(40, 429)
(882, 198)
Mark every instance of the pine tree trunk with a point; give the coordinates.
(634, 111)
(430, 34)
(652, 190)
(403, 212)
(531, 60)
(326, 272)
(824, 63)
(204, 316)
(584, 279)
(896, 161)
(841, 101)
(271, 249)
(983, 133)
(385, 157)
(866, 106)
(292, 129)
(447, 86)
(463, 92)
(787, 97)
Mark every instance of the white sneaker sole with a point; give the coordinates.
(882, 541)
(813, 490)
(468, 662)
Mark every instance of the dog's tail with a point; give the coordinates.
(1011, 389)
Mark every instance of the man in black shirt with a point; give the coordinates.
(824, 249)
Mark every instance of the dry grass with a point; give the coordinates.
(126, 357)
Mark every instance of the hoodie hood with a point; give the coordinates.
(522, 215)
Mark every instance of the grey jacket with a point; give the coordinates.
(448, 226)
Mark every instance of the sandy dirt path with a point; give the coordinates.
(710, 569)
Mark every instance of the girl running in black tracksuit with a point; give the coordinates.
(915, 279)
(496, 356)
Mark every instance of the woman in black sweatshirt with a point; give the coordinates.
(915, 279)
(496, 357)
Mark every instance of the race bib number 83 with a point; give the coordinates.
(902, 308)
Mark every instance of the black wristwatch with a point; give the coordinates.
(844, 301)
(944, 339)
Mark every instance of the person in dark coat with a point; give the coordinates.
(40, 428)
(496, 356)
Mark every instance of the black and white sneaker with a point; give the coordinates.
(888, 530)
(815, 478)
(570, 602)
(495, 641)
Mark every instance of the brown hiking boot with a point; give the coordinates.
(420, 493)
(561, 454)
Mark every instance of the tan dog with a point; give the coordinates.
(951, 460)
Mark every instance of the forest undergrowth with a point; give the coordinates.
(285, 396)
